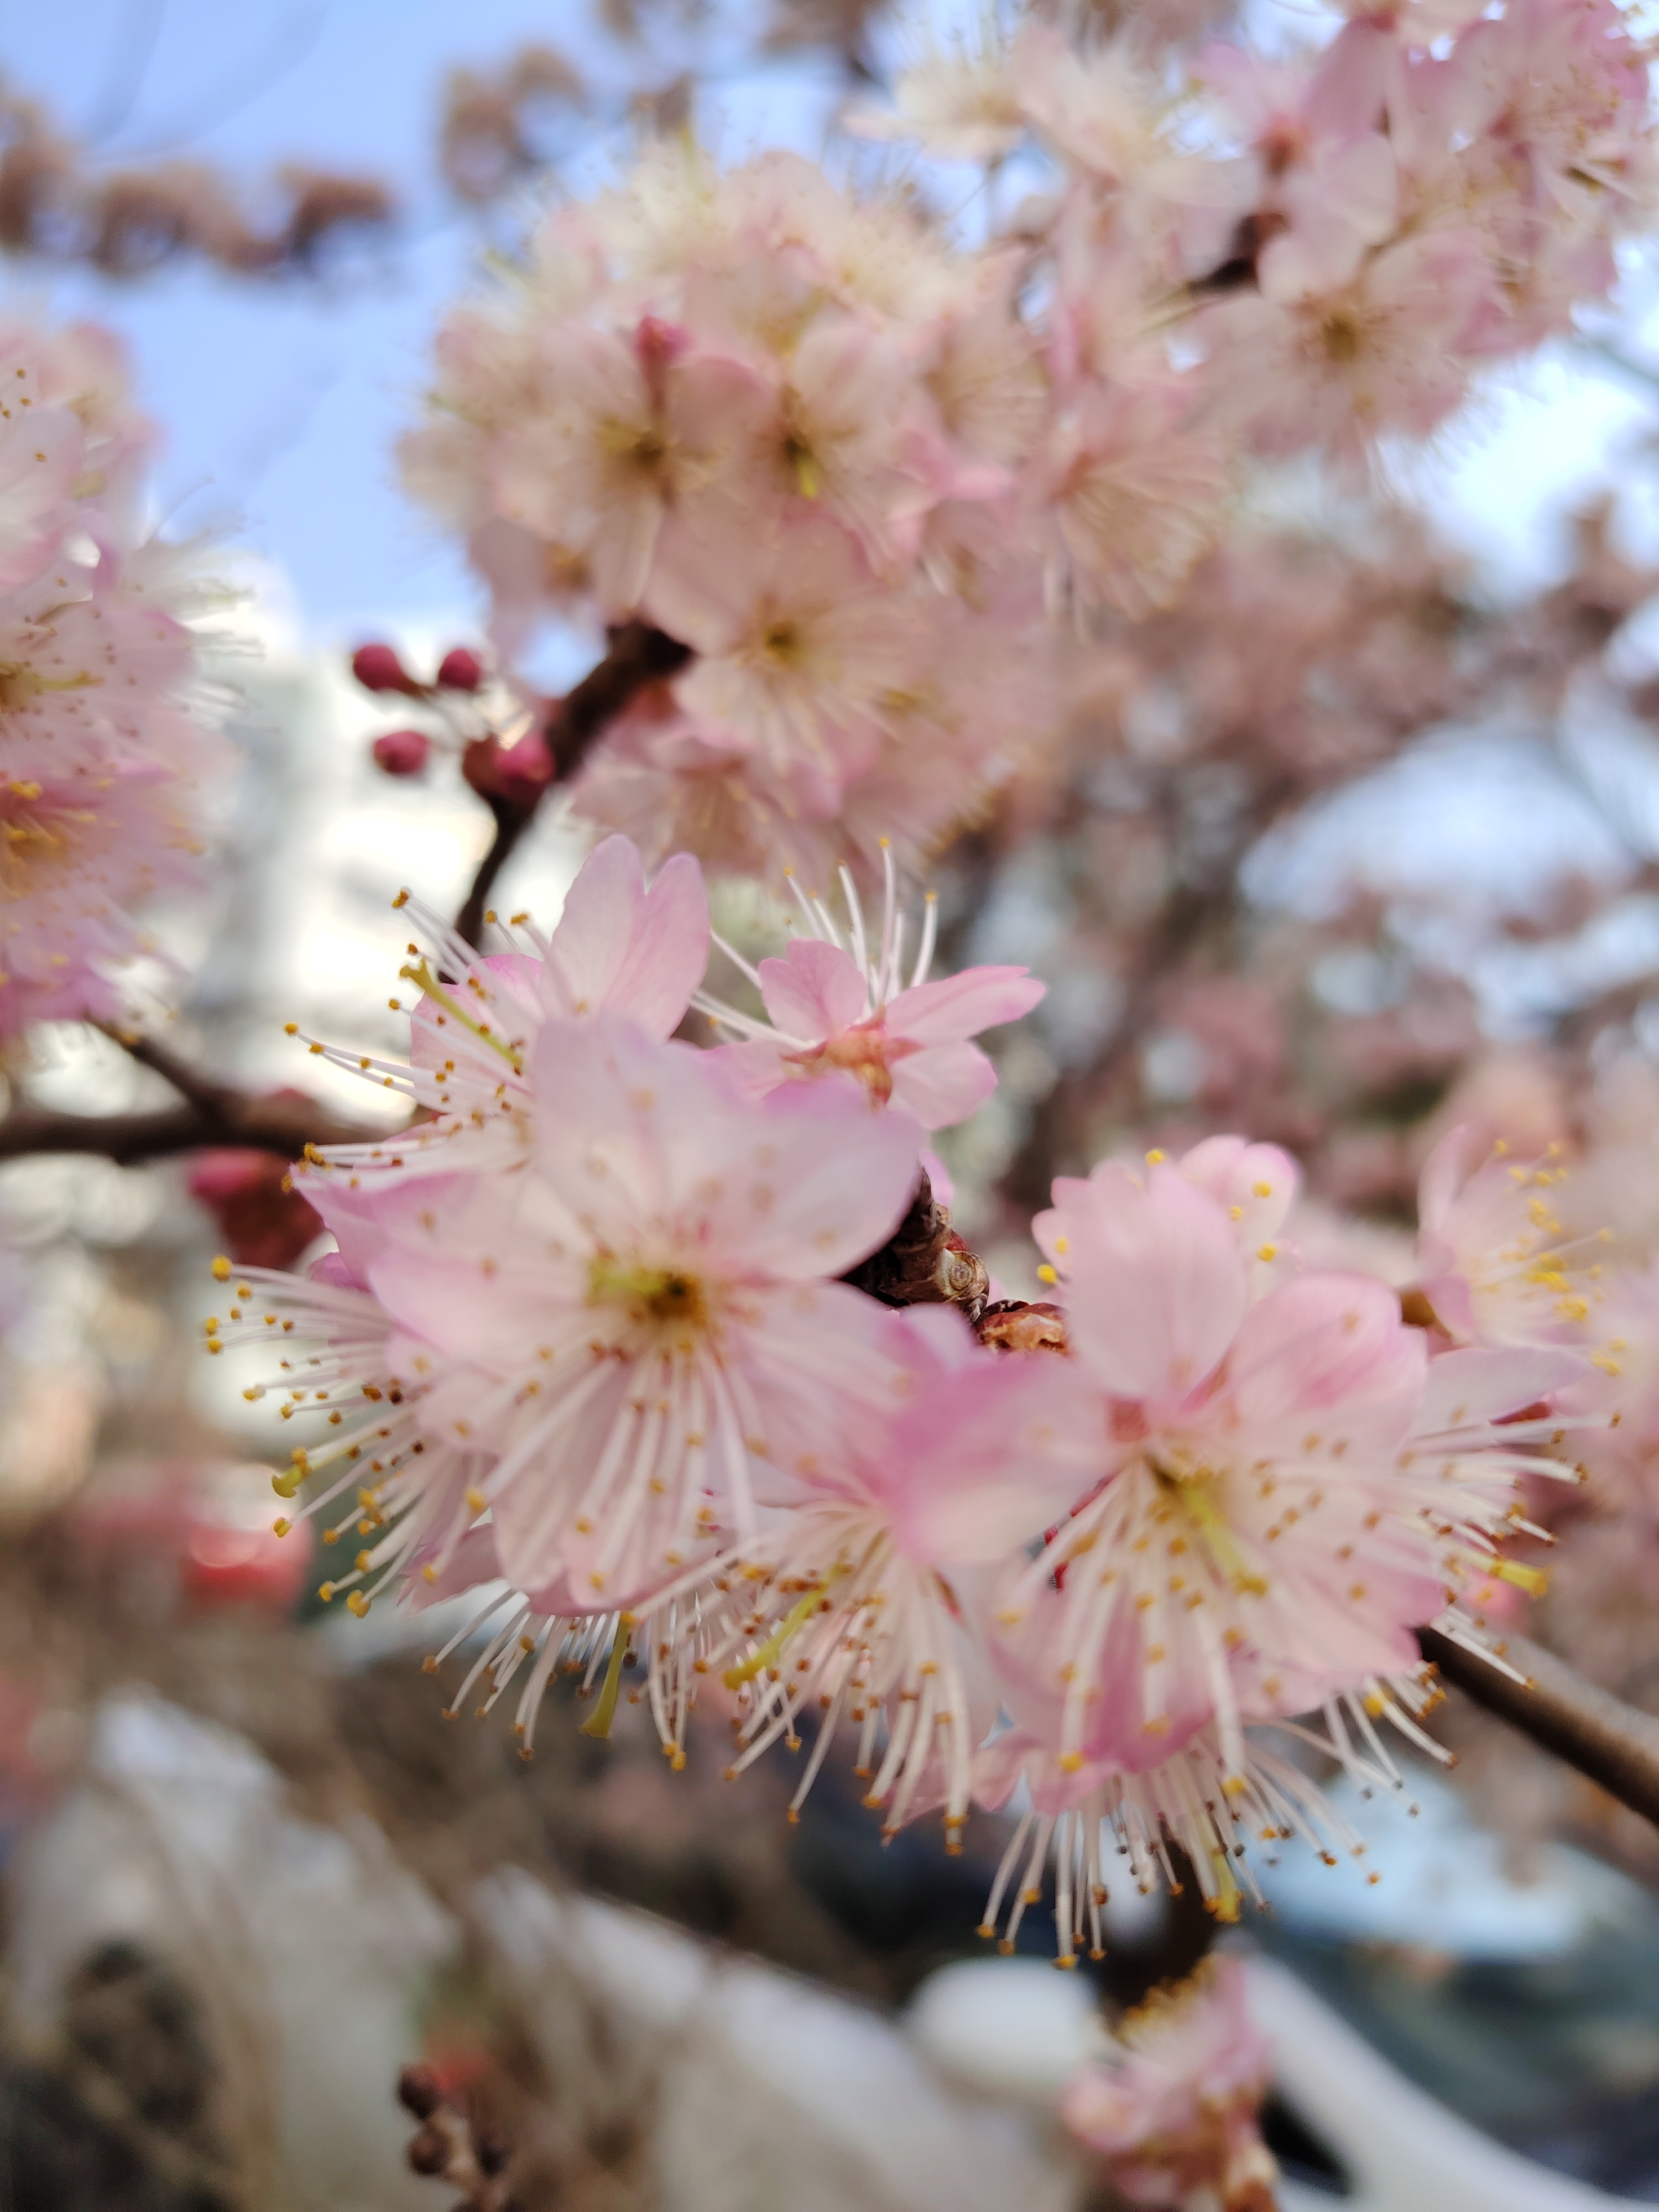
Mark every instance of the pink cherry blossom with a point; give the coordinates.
(1277, 1485)
(1389, 351)
(81, 851)
(959, 100)
(796, 635)
(1131, 484)
(1175, 2113)
(635, 427)
(641, 1327)
(843, 1605)
(838, 1002)
(618, 945)
(1097, 1823)
(355, 1386)
(1495, 1262)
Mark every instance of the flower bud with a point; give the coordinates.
(419, 2090)
(519, 774)
(401, 752)
(262, 1223)
(377, 668)
(460, 670)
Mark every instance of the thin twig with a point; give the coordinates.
(636, 655)
(1616, 1745)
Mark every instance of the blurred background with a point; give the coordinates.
(1357, 841)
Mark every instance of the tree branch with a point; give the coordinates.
(213, 1113)
(1616, 1745)
(636, 655)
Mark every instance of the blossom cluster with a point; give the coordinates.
(589, 1332)
(776, 423)
(1254, 258)
(848, 463)
(104, 752)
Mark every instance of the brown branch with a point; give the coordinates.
(212, 1114)
(636, 655)
(924, 1262)
(1616, 1745)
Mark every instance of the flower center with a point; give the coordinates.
(865, 1050)
(1342, 337)
(668, 1298)
(1194, 1489)
(29, 842)
(780, 641)
(21, 685)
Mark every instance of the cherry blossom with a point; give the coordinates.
(843, 1607)
(836, 1003)
(1280, 1484)
(80, 854)
(1496, 1263)
(642, 1328)
(617, 945)
(1174, 2112)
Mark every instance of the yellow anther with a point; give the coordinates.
(222, 1269)
(280, 1527)
(1156, 1159)
(357, 1603)
(1047, 1274)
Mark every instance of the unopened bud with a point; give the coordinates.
(518, 773)
(460, 670)
(401, 752)
(419, 2091)
(377, 668)
(431, 2151)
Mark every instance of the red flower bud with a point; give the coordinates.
(460, 670)
(377, 668)
(519, 774)
(263, 1224)
(401, 752)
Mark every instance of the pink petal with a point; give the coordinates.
(1157, 1285)
(1327, 1349)
(1445, 1171)
(1260, 1180)
(633, 1132)
(640, 952)
(814, 992)
(601, 909)
(1485, 1383)
(985, 1456)
(961, 1006)
(943, 1084)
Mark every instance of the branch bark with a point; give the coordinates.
(1614, 1745)
(635, 655)
(211, 1117)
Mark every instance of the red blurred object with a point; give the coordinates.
(226, 1563)
(377, 668)
(402, 752)
(212, 1527)
(262, 1223)
(519, 774)
(460, 670)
